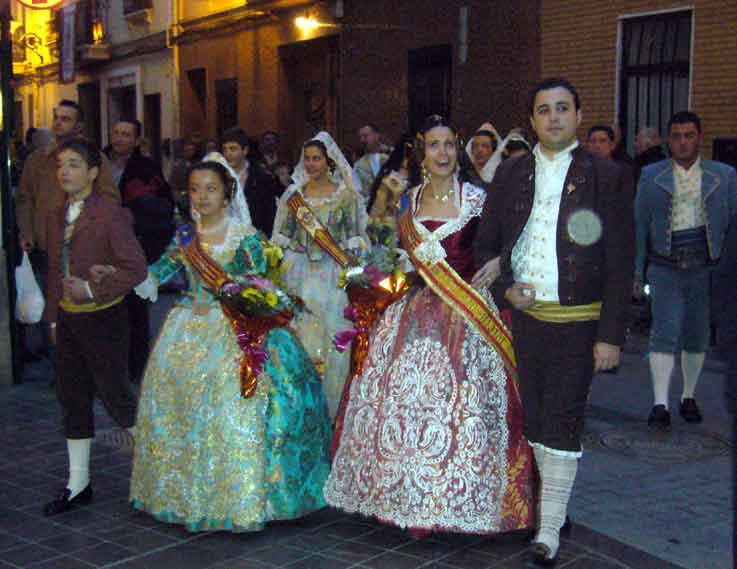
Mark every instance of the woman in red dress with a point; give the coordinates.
(431, 434)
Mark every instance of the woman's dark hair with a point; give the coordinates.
(229, 183)
(84, 148)
(320, 145)
(434, 121)
(489, 135)
(403, 148)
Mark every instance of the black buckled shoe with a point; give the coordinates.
(690, 411)
(62, 503)
(659, 418)
(541, 557)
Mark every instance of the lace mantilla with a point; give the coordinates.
(431, 250)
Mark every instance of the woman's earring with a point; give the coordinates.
(426, 176)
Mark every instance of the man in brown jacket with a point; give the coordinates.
(88, 232)
(560, 221)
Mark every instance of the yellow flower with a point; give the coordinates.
(252, 294)
(271, 299)
(273, 254)
(342, 278)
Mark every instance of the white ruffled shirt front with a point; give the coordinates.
(535, 255)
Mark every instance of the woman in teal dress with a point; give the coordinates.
(206, 457)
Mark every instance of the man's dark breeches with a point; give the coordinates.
(555, 365)
(92, 359)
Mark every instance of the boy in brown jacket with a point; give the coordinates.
(86, 317)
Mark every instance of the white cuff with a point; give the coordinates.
(89, 290)
(281, 240)
(148, 289)
(405, 265)
(357, 242)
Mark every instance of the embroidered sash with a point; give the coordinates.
(314, 227)
(460, 296)
(250, 331)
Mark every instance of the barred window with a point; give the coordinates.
(656, 57)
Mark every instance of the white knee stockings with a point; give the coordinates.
(661, 369)
(557, 474)
(79, 464)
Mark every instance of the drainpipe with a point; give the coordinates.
(9, 363)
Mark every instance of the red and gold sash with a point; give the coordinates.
(250, 331)
(314, 227)
(461, 297)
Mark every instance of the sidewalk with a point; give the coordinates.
(667, 494)
(641, 501)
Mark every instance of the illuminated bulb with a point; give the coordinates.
(306, 24)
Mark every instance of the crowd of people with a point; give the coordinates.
(467, 412)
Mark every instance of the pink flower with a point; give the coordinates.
(350, 313)
(375, 276)
(231, 288)
(264, 284)
(343, 339)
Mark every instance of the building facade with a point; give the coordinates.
(638, 61)
(301, 66)
(112, 56)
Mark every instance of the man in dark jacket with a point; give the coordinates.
(560, 222)
(259, 186)
(648, 149)
(144, 191)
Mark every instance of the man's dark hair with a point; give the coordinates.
(372, 126)
(685, 117)
(237, 135)
(74, 105)
(136, 125)
(602, 128)
(271, 132)
(86, 149)
(552, 83)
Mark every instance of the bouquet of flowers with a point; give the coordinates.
(255, 305)
(381, 232)
(372, 284)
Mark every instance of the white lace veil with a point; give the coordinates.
(343, 171)
(238, 207)
(487, 172)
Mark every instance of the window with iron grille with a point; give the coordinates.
(655, 67)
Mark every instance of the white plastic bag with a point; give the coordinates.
(29, 305)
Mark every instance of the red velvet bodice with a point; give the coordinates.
(458, 247)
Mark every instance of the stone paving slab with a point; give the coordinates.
(108, 533)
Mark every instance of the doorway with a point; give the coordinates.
(88, 95)
(312, 75)
(152, 124)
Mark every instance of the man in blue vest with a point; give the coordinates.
(683, 209)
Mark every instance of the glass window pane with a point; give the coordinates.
(683, 52)
(656, 47)
(669, 41)
(666, 102)
(631, 127)
(680, 93)
(633, 32)
(648, 37)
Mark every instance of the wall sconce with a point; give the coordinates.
(307, 25)
(98, 32)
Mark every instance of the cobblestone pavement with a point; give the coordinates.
(640, 501)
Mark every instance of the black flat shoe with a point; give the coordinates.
(62, 503)
(541, 557)
(659, 418)
(690, 411)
